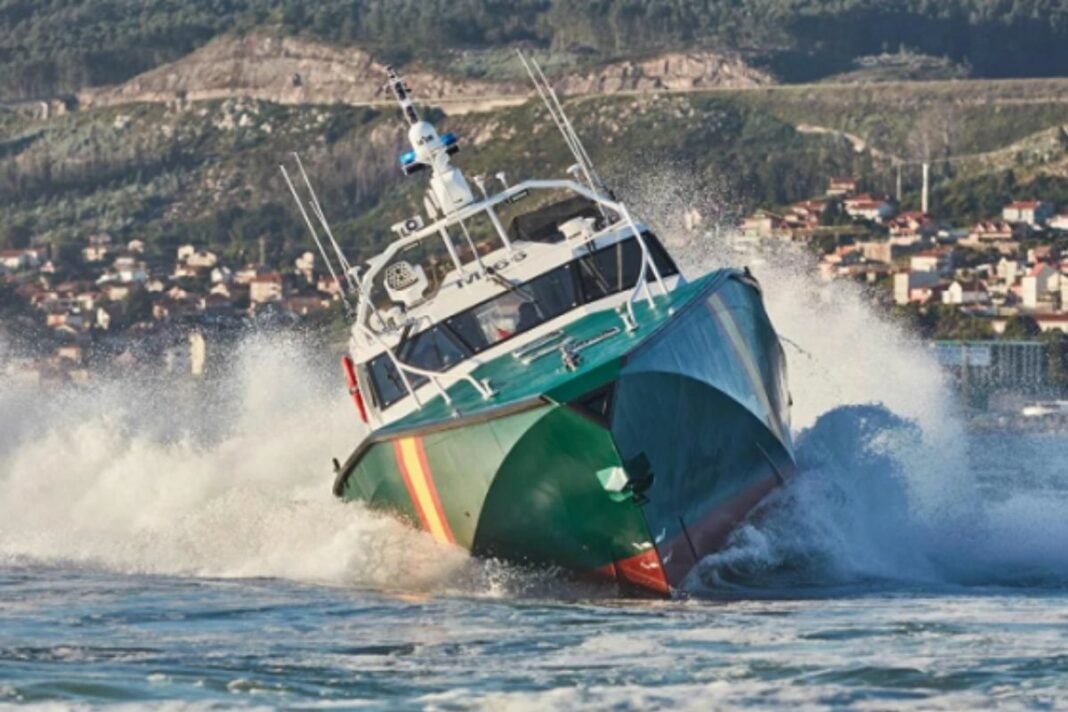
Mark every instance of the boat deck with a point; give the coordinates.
(516, 382)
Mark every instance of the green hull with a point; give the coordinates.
(689, 413)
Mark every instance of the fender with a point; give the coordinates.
(354, 386)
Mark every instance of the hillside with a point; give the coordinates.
(55, 47)
(287, 70)
(206, 171)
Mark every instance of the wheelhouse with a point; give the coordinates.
(438, 306)
(447, 297)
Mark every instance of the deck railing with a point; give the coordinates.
(440, 229)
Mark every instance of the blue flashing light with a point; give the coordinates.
(449, 139)
(407, 158)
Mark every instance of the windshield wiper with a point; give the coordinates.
(500, 279)
(405, 335)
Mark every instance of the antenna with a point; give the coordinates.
(403, 94)
(346, 268)
(315, 237)
(559, 117)
(567, 122)
(448, 187)
(350, 274)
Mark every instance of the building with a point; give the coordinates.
(1039, 285)
(117, 291)
(865, 207)
(804, 215)
(265, 288)
(963, 293)
(939, 261)
(1029, 212)
(763, 224)
(881, 250)
(1008, 270)
(222, 275)
(841, 187)
(988, 234)
(915, 287)
(912, 226)
(202, 259)
(1052, 322)
(305, 266)
(14, 260)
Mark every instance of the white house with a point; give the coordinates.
(265, 288)
(222, 275)
(305, 265)
(14, 260)
(865, 207)
(1029, 212)
(960, 292)
(96, 252)
(938, 261)
(914, 286)
(202, 259)
(1009, 270)
(1039, 284)
(840, 186)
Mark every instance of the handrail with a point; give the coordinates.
(486, 205)
(403, 369)
(376, 263)
(642, 283)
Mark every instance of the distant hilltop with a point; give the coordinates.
(289, 70)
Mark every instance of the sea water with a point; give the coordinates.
(173, 546)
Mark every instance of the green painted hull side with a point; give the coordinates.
(522, 486)
(547, 505)
(517, 477)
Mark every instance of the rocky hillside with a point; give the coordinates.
(206, 171)
(287, 70)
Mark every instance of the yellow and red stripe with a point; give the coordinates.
(419, 481)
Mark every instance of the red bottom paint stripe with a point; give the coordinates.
(643, 571)
(710, 533)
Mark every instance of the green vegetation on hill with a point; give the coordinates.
(208, 173)
(52, 46)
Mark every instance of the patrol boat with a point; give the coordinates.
(542, 384)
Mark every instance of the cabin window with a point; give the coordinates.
(431, 350)
(614, 268)
(520, 309)
(387, 386)
(599, 274)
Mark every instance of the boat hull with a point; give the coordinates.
(633, 467)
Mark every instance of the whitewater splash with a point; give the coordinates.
(234, 481)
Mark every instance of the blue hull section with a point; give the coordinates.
(701, 419)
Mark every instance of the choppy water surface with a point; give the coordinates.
(174, 547)
(71, 635)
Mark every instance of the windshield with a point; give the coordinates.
(519, 309)
(588, 278)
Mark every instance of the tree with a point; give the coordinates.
(16, 235)
(1021, 327)
(1057, 355)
